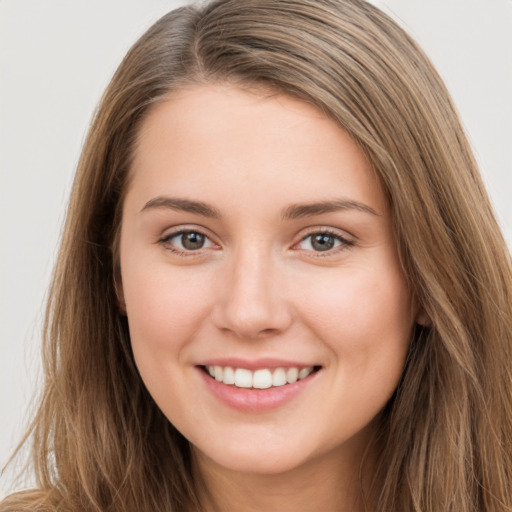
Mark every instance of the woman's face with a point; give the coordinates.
(257, 245)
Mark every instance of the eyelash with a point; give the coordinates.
(166, 242)
(344, 243)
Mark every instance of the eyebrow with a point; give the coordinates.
(298, 211)
(184, 205)
(294, 211)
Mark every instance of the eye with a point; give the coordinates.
(187, 241)
(323, 241)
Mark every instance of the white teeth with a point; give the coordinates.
(263, 378)
(292, 374)
(279, 377)
(229, 375)
(243, 378)
(304, 372)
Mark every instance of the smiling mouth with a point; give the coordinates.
(263, 378)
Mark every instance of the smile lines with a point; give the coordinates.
(259, 379)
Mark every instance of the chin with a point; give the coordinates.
(253, 458)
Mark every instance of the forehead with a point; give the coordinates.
(211, 139)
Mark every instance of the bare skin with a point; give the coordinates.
(333, 485)
(255, 237)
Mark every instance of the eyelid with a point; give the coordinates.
(164, 239)
(347, 241)
(170, 231)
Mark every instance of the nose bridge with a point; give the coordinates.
(253, 302)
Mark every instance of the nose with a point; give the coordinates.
(252, 302)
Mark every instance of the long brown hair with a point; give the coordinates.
(100, 442)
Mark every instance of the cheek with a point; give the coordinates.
(164, 306)
(164, 309)
(364, 317)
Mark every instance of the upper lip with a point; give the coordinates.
(255, 364)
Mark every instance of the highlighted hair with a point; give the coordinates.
(100, 442)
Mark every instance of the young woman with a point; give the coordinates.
(281, 285)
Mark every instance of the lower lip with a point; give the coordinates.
(256, 400)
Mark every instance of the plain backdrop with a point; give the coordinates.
(57, 56)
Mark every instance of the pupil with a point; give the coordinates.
(322, 242)
(192, 240)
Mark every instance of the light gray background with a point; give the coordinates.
(57, 56)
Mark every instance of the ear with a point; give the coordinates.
(422, 318)
(119, 291)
